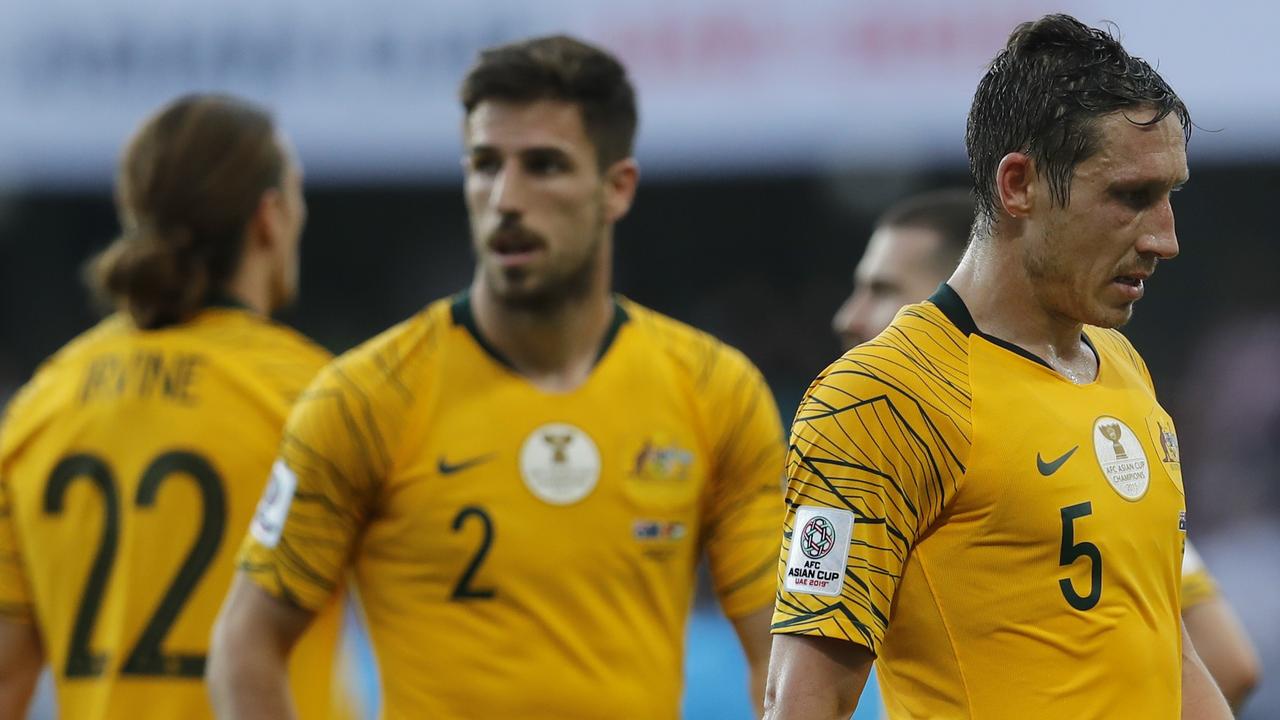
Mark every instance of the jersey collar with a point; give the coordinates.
(460, 311)
(952, 306)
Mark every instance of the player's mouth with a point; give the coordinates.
(1132, 285)
(516, 247)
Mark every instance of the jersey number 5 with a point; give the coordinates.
(147, 657)
(1072, 551)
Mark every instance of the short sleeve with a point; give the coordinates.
(332, 457)
(15, 595)
(875, 456)
(1198, 585)
(744, 503)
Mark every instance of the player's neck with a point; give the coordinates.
(554, 348)
(1002, 301)
(250, 289)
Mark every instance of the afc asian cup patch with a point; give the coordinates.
(819, 548)
(273, 508)
(560, 464)
(1121, 458)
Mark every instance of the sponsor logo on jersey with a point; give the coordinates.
(273, 508)
(559, 464)
(813, 566)
(1182, 523)
(1121, 458)
(447, 468)
(1051, 467)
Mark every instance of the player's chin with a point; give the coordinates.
(518, 287)
(1110, 316)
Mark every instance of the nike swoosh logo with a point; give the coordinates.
(1049, 468)
(447, 468)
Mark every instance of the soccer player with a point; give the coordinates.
(131, 463)
(916, 244)
(523, 475)
(981, 499)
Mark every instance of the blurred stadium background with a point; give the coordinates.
(771, 136)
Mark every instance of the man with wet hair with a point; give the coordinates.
(986, 499)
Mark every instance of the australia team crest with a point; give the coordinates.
(1165, 440)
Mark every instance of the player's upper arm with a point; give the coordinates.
(877, 452)
(15, 594)
(743, 504)
(332, 456)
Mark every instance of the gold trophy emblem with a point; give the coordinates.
(1112, 433)
(559, 447)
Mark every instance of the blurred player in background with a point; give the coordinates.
(915, 245)
(131, 463)
(524, 475)
(940, 519)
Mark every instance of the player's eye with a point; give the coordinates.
(485, 164)
(546, 164)
(1136, 199)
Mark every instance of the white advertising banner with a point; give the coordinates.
(368, 90)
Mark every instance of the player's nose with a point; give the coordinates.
(1159, 237)
(508, 196)
(849, 322)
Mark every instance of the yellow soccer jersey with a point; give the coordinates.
(1006, 542)
(130, 466)
(520, 553)
(1198, 585)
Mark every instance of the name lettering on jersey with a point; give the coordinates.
(560, 464)
(1121, 458)
(143, 374)
(273, 508)
(1165, 441)
(819, 549)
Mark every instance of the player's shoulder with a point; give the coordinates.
(696, 354)
(236, 332)
(924, 351)
(55, 382)
(390, 364)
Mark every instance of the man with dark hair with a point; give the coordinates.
(524, 475)
(986, 499)
(132, 461)
(915, 245)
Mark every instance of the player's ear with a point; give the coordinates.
(1015, 184)
(620, 181)
(267, 227)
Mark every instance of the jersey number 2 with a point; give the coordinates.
(463, 590)
(1072, 551)
(147, 657)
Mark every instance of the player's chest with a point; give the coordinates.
(1051, 460)
(590, 477)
